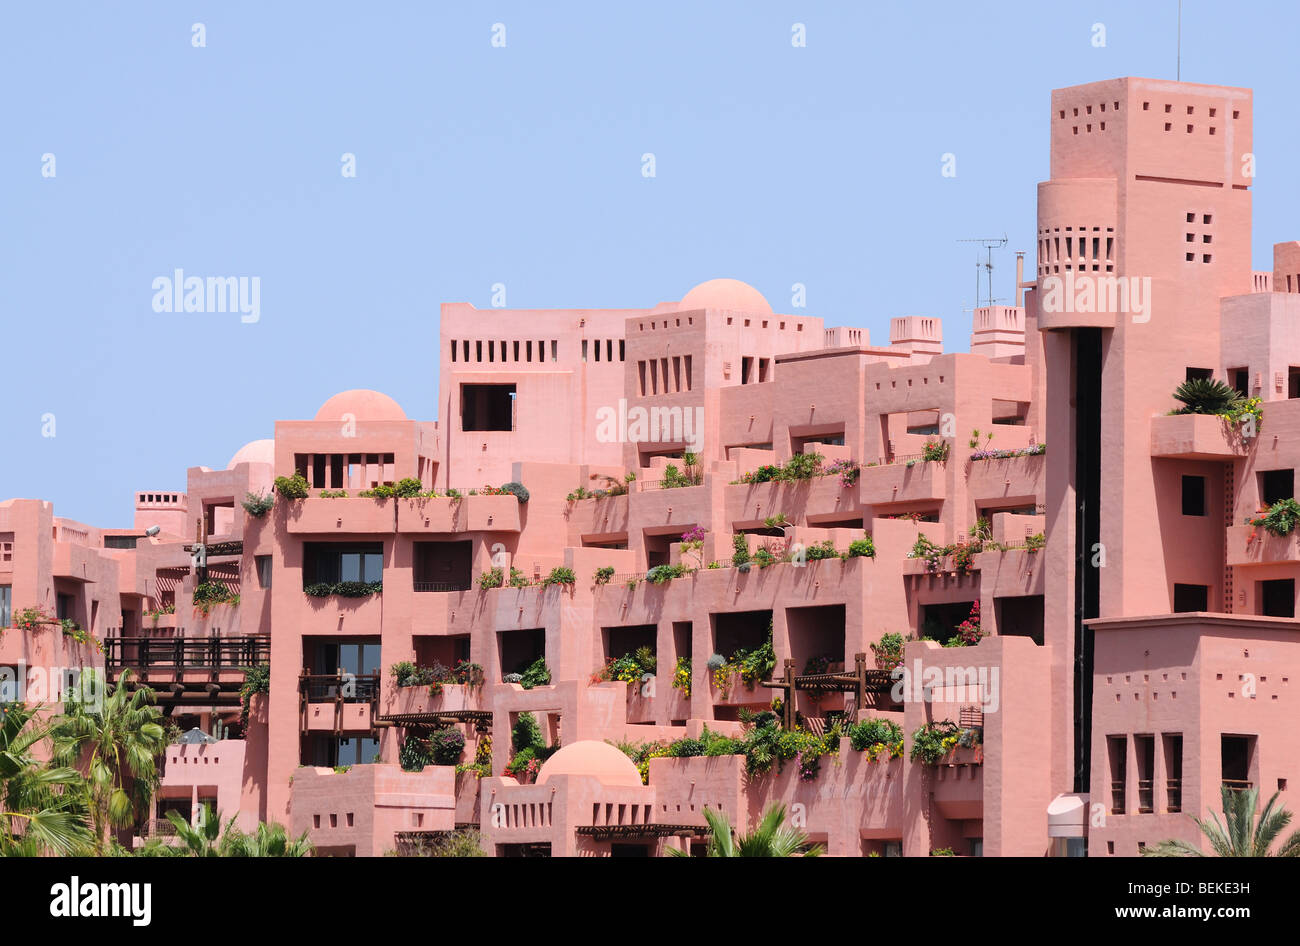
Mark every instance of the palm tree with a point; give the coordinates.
(1238, 835)
(198, 840)
(269, 840)
(39, 810)
(770, 839)
(1206, 396)
(117, 737)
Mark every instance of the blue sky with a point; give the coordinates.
(519, 165)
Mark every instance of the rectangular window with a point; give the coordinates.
(1145, 748)
(555, 350)
(687, 360)
(584, 349)
(1203, 373)
(6, 604)
(487, 406)
(1240, 379)
(263, 570)
(1117, 750)
(453, 350)
(332, 562)
(1276, 485)
(609, 349)
(1277, 598)
(63, 607)
(622, 351)
(1191, 598)
(1193, 496)
(1173, 771)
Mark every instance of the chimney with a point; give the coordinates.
(998, 331)
(919, 335)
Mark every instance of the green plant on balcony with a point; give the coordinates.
(932, 741)
(334, 494)
(847, 470)
(862, 548)
(535, 674)
(888, 651)
(662, 574)
(414, 753)
(518, 579)
(820, 550)
(292, 487)
(344, 589)
(876, 737)
(258, 505)
(632, 668)
(517, 490)
(740, 555)
(934, 451)
(560, 575)
(481, 767)
(604, 574)
(674, 478)
(1206, 396)
(580, 493)
(1035, 542)
(210, 593)
(256, 680)
(682, 676)
(779, 521)
(772, 838)
(975, 436)
(406, 673)
(529, 748)
(763, 557)
(1280, 519)
(968, 633)
(492, 578)
(154, 614)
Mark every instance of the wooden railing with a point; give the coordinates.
(1174, 794)
(440, 586)
(187, 653)
(1117, 788)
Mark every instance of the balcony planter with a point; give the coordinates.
(350, 515)
(900, 483)
(1254, 545)
(1010, 478)
(1196, 437)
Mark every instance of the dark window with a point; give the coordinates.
(120, 541)
(1277, 598)
(1193, 495)
(263, 563)
(487, 406)
(1235, 753)
(1276, 485)
(1240, 380)
(1191, 598)
(332, 562)
(1206, 373)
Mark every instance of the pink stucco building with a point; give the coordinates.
(1133, 645)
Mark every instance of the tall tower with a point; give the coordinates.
(1143, 227)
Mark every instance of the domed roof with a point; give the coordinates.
(362, 405)
(255, 451)
(726, 294)
(589, 757)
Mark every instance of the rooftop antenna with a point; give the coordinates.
(1179, 73)
(989, 244)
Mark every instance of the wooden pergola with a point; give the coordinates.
(482, 719)
(640, 832)
(859, 681)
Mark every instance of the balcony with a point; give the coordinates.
(898, 482)
(334, 702)
(1011, 479)
(1195, 437)
(1252, 545)
(1174, 794)
(467, 514)
(182, 654)
(349, 515)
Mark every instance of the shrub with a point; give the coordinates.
(802, 466)
(604, 574)
(414, 754)
(682, 675)
(517, 490)
(1036, 541)
(888, 651)
(862, 548)
(211, 592)
(934, 451)
(518, 579)
(933, 741)
(1281, 517)
(345, 589)
(535, 674)
(446, 746)
(821, 550)
(662, 574)
(492, 578)
(871, 732)
(740, 546)
(685, 748)
(258, 505)
(292, 487)
(560, 575)
(1206, 396)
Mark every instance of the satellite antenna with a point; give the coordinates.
(989, 244)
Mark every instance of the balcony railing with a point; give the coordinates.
(1146, 796)
(1237, 785)
(1174, 789)
(1117, 797)
(339, 687)
(440, 586)
(187, 653)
